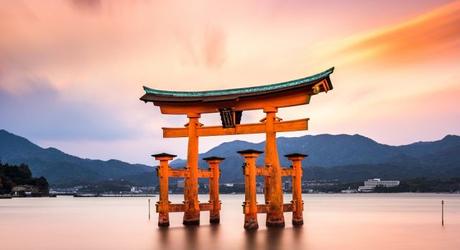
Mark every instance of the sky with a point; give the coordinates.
(71, 72)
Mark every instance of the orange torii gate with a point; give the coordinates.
(230, 103)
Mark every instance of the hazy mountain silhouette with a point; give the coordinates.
(61, 168)
(342, 157)
(350, 157)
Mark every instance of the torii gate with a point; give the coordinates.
(230, 103)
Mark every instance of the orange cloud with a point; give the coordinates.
(433, 35)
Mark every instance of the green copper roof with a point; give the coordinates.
(236, 91)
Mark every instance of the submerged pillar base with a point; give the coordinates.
(191, 222)
(275, 222)
(163, 223)
(297, 223)
(215, 220)
(251, 224)
(191, 218)
(163, 219)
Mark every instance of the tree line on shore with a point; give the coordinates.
(18, 178)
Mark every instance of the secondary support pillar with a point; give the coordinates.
(297, 202)
(192, 205)
(163, 179)
(275, 216)
(214, 214)
(250, 202)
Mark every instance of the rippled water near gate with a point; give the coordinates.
(339, 221)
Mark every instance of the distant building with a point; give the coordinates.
(180, 184)
(24, 190)
(349, 190)
(287, 187)
(259, 188)
(308, 190)
(135, 190)
(371, 184)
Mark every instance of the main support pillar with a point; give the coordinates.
(214, 213)
(297, 202)
(163, 177)
(275, 217)
(192, 205)
(250, 202)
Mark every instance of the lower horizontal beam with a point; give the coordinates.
(287, 207)
(263, 208)
(182, 173)
(205, 206)
(287, 172)
(204, 173)
(178, 173)
(174, 208)
(262, 171)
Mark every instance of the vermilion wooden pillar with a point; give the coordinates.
(214, 214)
(163, 179)
(250, 202)
(192, 205)
(297, 202)
(275, 216)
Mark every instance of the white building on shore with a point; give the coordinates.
(371, 184)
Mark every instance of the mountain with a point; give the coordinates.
(63, 169)
(349, 157)
(343, 157)
(323, 150)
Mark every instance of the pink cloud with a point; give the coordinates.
(214, 47)
(87, 4)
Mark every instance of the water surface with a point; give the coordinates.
(339, 221)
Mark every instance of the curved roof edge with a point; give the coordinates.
(237, 91)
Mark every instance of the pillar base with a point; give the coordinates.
(191, 218)
(297, 223)
(275, 223)
(251, 225)
(214, 220)
(191, 222)
(163, 224)
(163, 219)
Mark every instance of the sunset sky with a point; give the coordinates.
(71, 72)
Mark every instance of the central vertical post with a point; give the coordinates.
(192, 205)
(275, 217)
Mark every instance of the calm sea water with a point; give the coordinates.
(341, 221)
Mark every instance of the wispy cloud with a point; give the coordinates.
(202, 47)
(432, 35)
(91, 5)
(214, 49)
